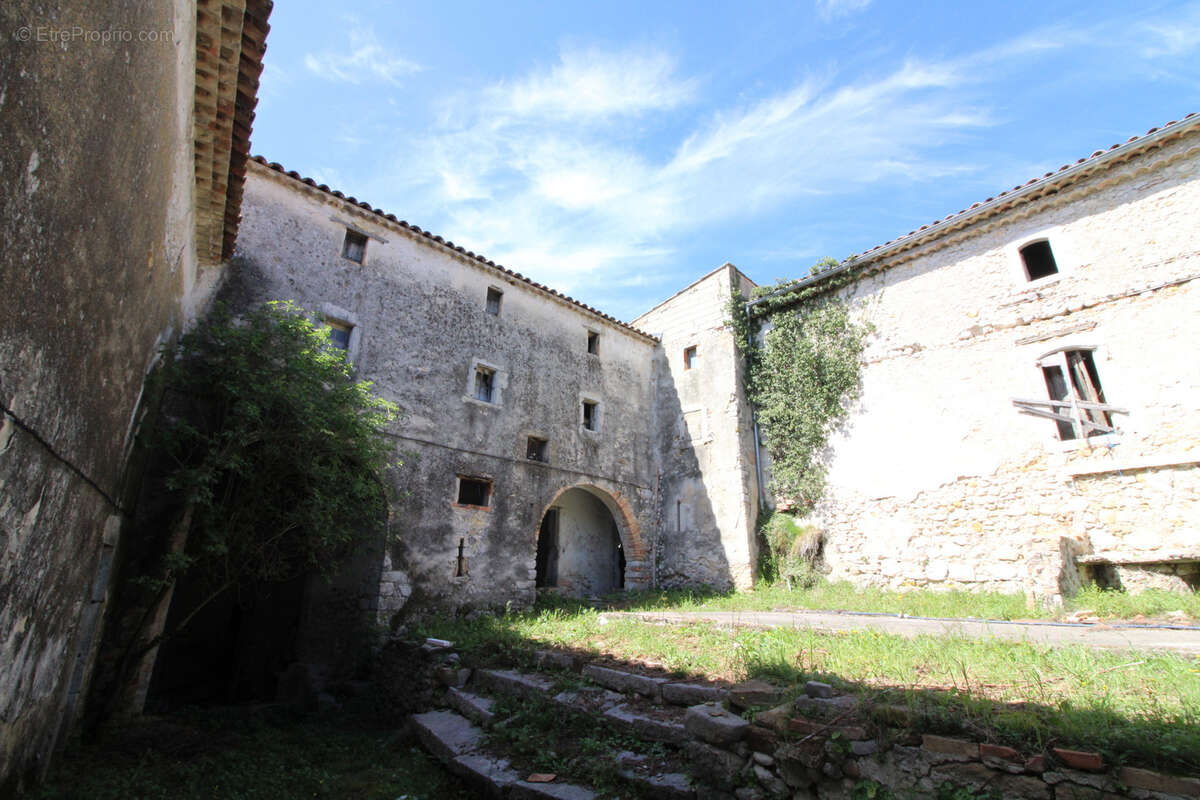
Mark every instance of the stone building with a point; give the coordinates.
(125, 130)
(545, 443)
(1074, 295)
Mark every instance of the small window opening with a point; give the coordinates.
(1038, 259)
(339, 334)
(460, 565)
(591, 415)
(593, 343)
(355, 246)
(691, 357)
(493, 301)
(485, 384)
(536, 448)
(1075, 380)
(474, 492)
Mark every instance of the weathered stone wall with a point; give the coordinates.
(97, 263)
(704, 435)
(421, 326)
(938, 480)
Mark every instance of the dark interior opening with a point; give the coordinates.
(1039, 260)
(474, 492)
(547, 551)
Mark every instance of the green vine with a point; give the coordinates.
(802, 375)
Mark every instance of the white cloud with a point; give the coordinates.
(830, 9)
(365, 60)
(595, 83)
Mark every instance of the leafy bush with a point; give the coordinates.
(275, 455)
(791, 552)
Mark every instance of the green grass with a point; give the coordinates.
(1138, 707)
(238, 755)
(844, 596)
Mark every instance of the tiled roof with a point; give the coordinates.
(487, 262)
(230, 43)
(1036, 187)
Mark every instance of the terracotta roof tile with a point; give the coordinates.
(276, 167)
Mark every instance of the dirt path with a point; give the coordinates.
(1176, 639)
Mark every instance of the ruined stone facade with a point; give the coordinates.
(544, 442)
(939, 480)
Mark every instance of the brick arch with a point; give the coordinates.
(637, 554)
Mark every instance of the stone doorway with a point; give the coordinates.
(579, 547)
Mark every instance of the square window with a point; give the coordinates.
(1038, 259)
(691, 357)
(474, 491)
(485, 384)
(493, 301)
(339, 334)
(591, 415)
(593, 341)
(355, 246)
(536, 449)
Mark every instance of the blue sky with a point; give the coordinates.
(617, 151)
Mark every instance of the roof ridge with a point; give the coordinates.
(277, 167)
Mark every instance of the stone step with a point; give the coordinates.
(531, 686)
(459, 745)
(645, 772)
(474, 707)
(652, 723)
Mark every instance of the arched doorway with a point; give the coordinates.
(579, 548)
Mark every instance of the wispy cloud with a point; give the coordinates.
(596, 83)
(365, 60)
(830, 9)
(551, 174)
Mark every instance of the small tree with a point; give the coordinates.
(275, 456)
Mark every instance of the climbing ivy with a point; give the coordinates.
(801, 378)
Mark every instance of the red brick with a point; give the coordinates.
(1036, 764)
(953, 747)
(1157, 782)
(1092, 762)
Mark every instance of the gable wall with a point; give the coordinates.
(938, 480)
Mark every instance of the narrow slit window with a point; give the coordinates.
(493, 301)
(355, 246)
(691, 357)
(460, 564)
(536, 449)
(591, 415)
(593, 343)
(474, 492)
(1038, 259)
(485, 384)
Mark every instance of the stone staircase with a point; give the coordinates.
(679, 740)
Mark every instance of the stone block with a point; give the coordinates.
(806, 727)
(523, 790)
(958, 749)
(623, 681)
(713, 766)
(447, 735)
(648, 727)
(516, 683)
(755, 693)
(486, 775)
(761, 740)
(715, 725)
(818, 689)
(471, 706)
(690, 694)
(776, 718)
(980, 777)
(1158, 782)
(555, 659)
(767, 779)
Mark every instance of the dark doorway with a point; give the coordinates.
(547, 550)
